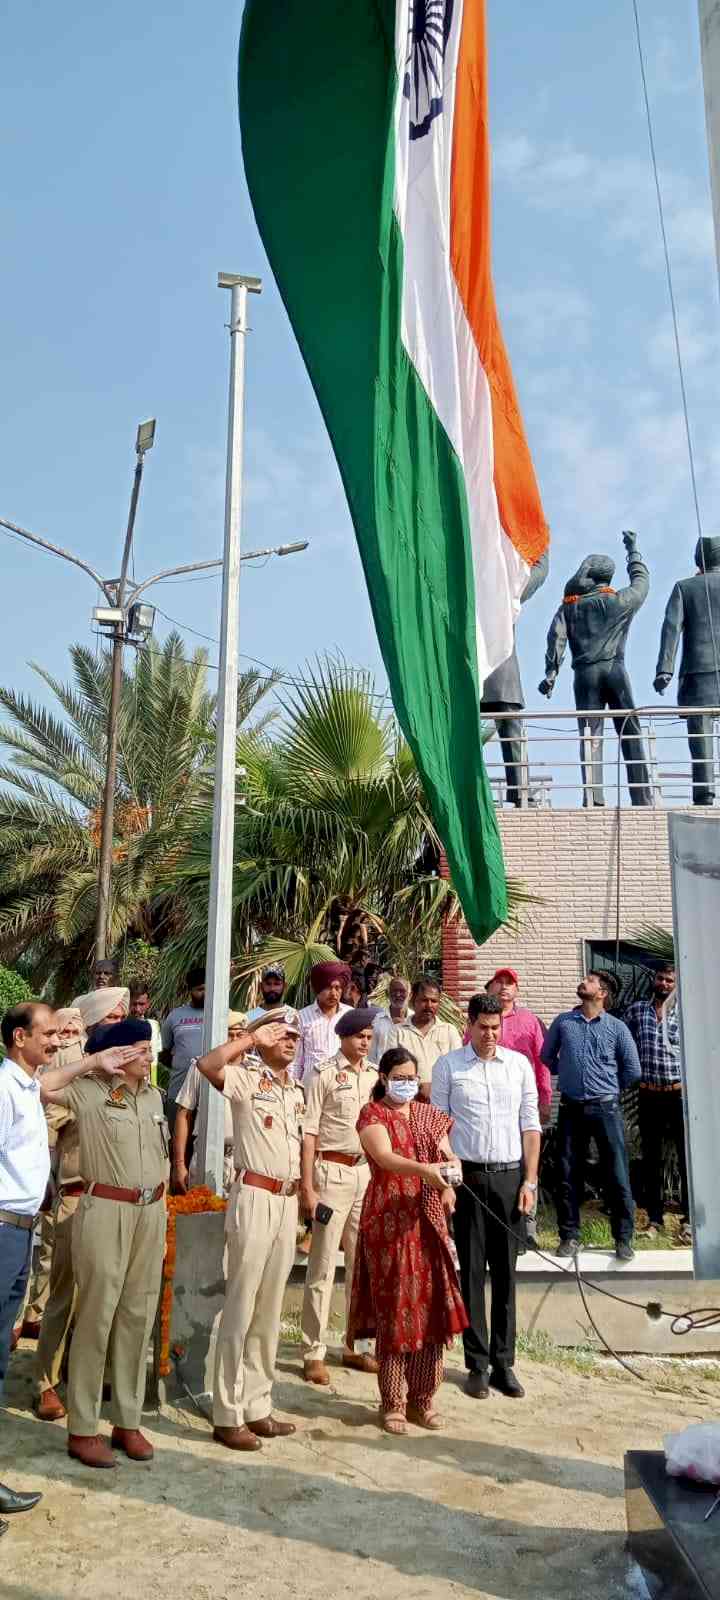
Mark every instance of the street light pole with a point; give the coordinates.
(211, 1110)
(144, 442)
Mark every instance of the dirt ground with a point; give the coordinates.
(515, 1500)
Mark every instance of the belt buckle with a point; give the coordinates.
(145, 1197)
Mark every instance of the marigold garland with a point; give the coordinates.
(194, 1203)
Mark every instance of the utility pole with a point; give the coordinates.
(211, 1110)
(709, 11)
(143, 443)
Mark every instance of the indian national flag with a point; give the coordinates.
(365, 139)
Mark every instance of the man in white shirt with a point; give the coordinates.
(424, 1035)
(318, 1039)
(385, 1021)
(491, 1094)
(31, 1041)
(184, 1149)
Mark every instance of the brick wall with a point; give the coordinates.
(568, 858)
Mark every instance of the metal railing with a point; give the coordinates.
(566, 759)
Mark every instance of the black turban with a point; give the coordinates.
(354, 1021)
(131, 1031)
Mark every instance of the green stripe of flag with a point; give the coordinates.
(317, 88)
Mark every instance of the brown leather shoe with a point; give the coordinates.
(316, 1372)
(270, 1428)
(30, 1330)
(359, 1363)
(133, 1442)
(90, 1449)
(236, 1438)
(48, 1406)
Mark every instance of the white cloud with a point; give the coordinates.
(550, 314)
(618, 195)
(699, 342)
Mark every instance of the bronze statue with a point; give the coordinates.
(693, 614)
(594, 620)
(503, 691)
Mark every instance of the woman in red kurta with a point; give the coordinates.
(405, 1290)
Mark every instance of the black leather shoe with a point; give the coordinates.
(9, 1501)
(503, 1378)
(477, 1385)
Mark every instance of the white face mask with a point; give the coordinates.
(403, 1089)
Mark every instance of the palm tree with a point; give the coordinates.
(51, 801)
(335, 847)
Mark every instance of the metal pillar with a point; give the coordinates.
(709, 11)
(211, 1110)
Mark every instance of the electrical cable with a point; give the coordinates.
(681, 1322)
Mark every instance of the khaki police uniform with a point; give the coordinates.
(117, 1245)
(338, 1092)
(260, 1233)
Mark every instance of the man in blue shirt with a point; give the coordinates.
(595, 1058)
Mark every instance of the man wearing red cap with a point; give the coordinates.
(521, 1030)
(318, 1039)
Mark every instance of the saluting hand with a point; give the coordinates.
(271, 1033)
(115, 1060)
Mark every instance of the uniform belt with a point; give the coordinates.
(493, 1166)
(260, 1180)
(341, 1156)
(133, 1197)
(661, 1088)
(16, 1219)
(73, 1186)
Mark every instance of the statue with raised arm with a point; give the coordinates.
(594, 619)
(693, 615)
(503, 691)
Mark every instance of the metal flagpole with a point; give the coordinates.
(211, 1111)
(710, 50)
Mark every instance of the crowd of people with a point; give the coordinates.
(414, 1149)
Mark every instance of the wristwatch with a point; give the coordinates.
(527, 1185)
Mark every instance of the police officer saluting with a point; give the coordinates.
(335, 1175)
(118, 1241)
(260, 1223)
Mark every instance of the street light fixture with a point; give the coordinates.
(145, 437)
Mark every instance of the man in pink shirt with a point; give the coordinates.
(521, 1030)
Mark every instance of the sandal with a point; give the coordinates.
(393, 1422)
(425, 1419)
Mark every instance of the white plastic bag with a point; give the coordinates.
(694, 1453)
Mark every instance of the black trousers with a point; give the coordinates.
(577, 1122)
(606, 684)
(661, 1122)
(483, 1245)
(701, 740)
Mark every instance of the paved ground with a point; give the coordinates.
(513, 1501)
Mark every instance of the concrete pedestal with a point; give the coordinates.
(198, 1296)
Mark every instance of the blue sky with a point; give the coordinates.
(124, 195)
